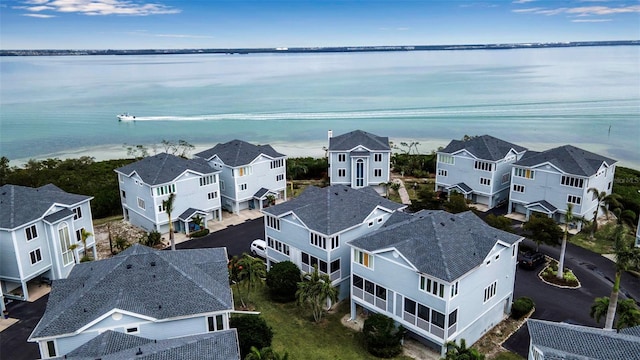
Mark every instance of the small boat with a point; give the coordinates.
(126, 117)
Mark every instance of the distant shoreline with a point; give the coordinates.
(335, 49)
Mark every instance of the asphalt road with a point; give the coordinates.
(236, 238)
(13, 340)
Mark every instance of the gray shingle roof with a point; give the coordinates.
(190, 212)
(545, 204)
(237, 152)
(484, 147)
(567, 158)
(20, 204)
(158, 284)
(356, 138)
(568, 341)
(335, 208)
(438, 243)
(110, 345)
(163, 168)
(462, 186)
(58, 215)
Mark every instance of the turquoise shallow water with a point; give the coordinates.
(588, 97)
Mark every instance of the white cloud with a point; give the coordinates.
(41, 16)
(582, 10)
(590, 20)
(184, 36)
(523, 1)
(98, 7)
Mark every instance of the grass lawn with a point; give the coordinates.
(598, 244)
(296, 333)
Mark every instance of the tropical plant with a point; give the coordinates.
(282, 280)
(461, 352)
(456, 203)
(152, 239)
(521, 307)
(604, 202)
(569, 218)
(266, 353)
(236, 276)
(381, 336)
(314, 291)
(168, 206)
(252, 271)
(73, 248)
(626, 310)
(542, 229)
(84, 236)
(198, 221)
(253, 331)
(627, 257)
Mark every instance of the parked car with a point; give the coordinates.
(531, 260)
(258, 247)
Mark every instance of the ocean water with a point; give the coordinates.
(538, 98)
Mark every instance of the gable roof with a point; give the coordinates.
(438, 243)
(568, 341)
(140, 280)
(567, 158)
(20, 205)
(484, 147)
(237, 152)
(355, 138)
(112, 345)
(334, 208)
(163, 168)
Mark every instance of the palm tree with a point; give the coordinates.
(198, 221)
(568, 219)
(84, 235)
(462, 352)
(252, 271)
(626, 310)
(236, 276)
(604, 201)
(168, 205)
(627, 257)
(314, 291)
(73, 248)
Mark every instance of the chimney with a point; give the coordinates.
(329, 134)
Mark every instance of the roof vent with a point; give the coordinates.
(159, 306)
(153, 263)
(128, 266)
(139, 352)
(442, 223)
(452, 219)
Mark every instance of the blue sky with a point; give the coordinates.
(137, 24)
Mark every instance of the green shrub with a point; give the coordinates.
(521, 307)
(499, 222)
(252, 331)
(282, 280)
(151, 239)
(381, 336)
(199, 233)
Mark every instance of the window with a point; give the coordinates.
(490, 291)
(318, 240)
(505, 178)
(442, 172)
(445, 159)
(36, 256)
(483, 165)
(433, 287)
(574, 199)
(377, 172)
(221, 185)
(212, 195)
(310, 261)
(141, 204)
(453, 317)
(65, 244)
(277, 163)
(206, 180)
(572, 181)
(132, 330)
(609, 186)
(273, 222)
(278, 246)
(342, 157)
(31, 232)
(437, 319)
(242, 187)
(215, 323)
(518, 188)
(335, 242)
(162, 208)
(279, 177)
(485, 181)
(244, 171)
(377, 157)
(335, 266)
(124, 194)
(363, 258)
(423, 312)
(168, 189)
(523, 173)
(77, 213)
(454, 289)
(410, 307)
(79, 234)
(342, 172)
(51, 348)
